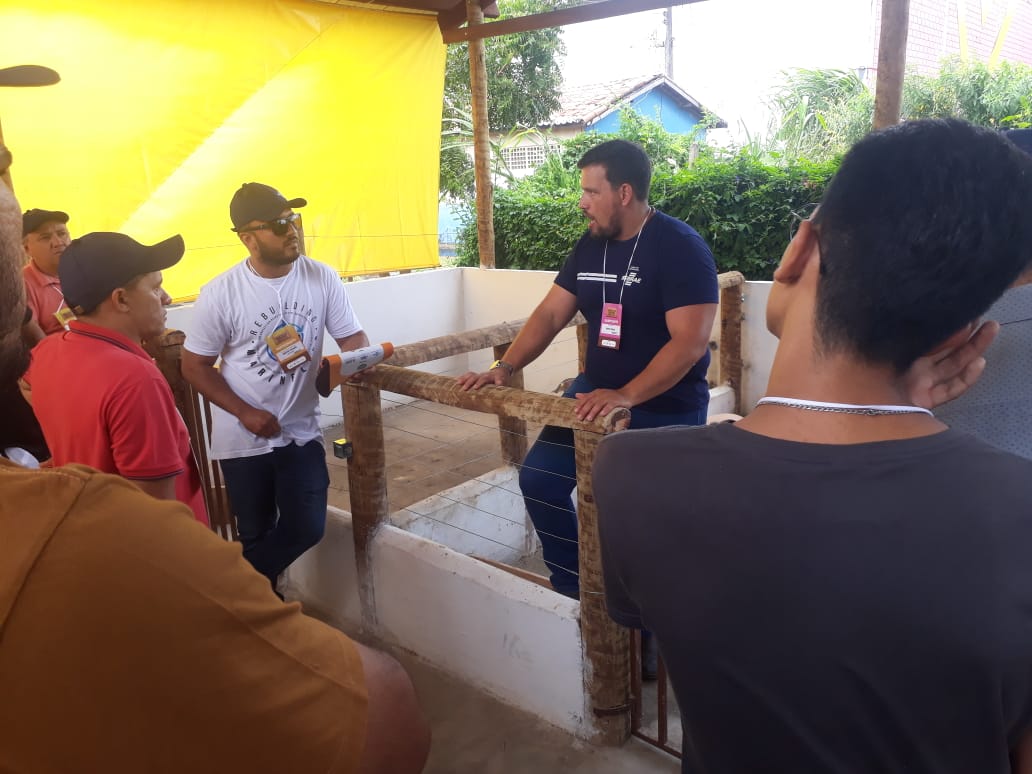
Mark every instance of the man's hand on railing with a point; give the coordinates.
(598, 403)
(942, 376)
(471, 380)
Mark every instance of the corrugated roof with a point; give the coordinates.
(587, 103)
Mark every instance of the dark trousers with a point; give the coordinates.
(279, 500)
(548, 477)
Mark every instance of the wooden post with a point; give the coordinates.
(481, 140)
(512, 430)
(607, 668)
(892, 60)
(730, 353)
(582, 346)
(367, 482)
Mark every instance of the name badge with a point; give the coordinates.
(609, 331)
(288, 349)
(64, 315)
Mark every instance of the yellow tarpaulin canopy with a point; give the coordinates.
(165, 107)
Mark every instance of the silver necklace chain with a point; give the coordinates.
(843, 408)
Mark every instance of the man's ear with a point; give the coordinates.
(118, 300)
(626, 194)
(956, 339)
(797, 256)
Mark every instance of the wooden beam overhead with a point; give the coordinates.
(602, 9)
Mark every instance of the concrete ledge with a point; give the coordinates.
(505, 636)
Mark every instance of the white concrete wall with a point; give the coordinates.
(498, 295)
(511, 638)
(758, 345)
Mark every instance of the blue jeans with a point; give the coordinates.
(289, 482)
(547, 479)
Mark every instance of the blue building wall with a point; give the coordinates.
(655, 104)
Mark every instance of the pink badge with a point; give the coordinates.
(609, 332)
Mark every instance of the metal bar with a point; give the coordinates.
(604, 9)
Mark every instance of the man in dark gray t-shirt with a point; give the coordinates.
(839, 582)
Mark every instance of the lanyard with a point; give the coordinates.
(272, 284)
(605, 249)
(101, 337)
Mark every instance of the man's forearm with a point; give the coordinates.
(354, 341)
(212, 385)
(533, 339)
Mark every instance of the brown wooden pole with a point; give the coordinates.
(504, 401)
(582, 346)
(730, 353)
(582, 12)
(513, 431)
(481, 140)
(367, 481)
(892, 61)
(607, 668)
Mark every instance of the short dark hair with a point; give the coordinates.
(624, 162)
(922, 228)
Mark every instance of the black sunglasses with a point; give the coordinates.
(279, 226)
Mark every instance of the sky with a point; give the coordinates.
(727, 53)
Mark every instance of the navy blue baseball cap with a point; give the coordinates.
(93, 265)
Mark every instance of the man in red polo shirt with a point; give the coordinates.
(98, 396)
(45, 237)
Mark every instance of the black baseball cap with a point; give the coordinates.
(95, 264)
(33, 219)
(257, 201)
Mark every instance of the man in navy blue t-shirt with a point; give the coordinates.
(647, 284)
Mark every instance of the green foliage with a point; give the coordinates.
(523, 74)
(819, 114)
(741, 206)
(744, 208)
(523, 83)
(816, 112)
(998, 97)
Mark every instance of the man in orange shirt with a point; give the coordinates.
(45, 237)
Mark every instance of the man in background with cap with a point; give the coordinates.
(98, 396)
(265, 319)
(45, 237)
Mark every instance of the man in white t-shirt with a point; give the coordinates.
(265, 319)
